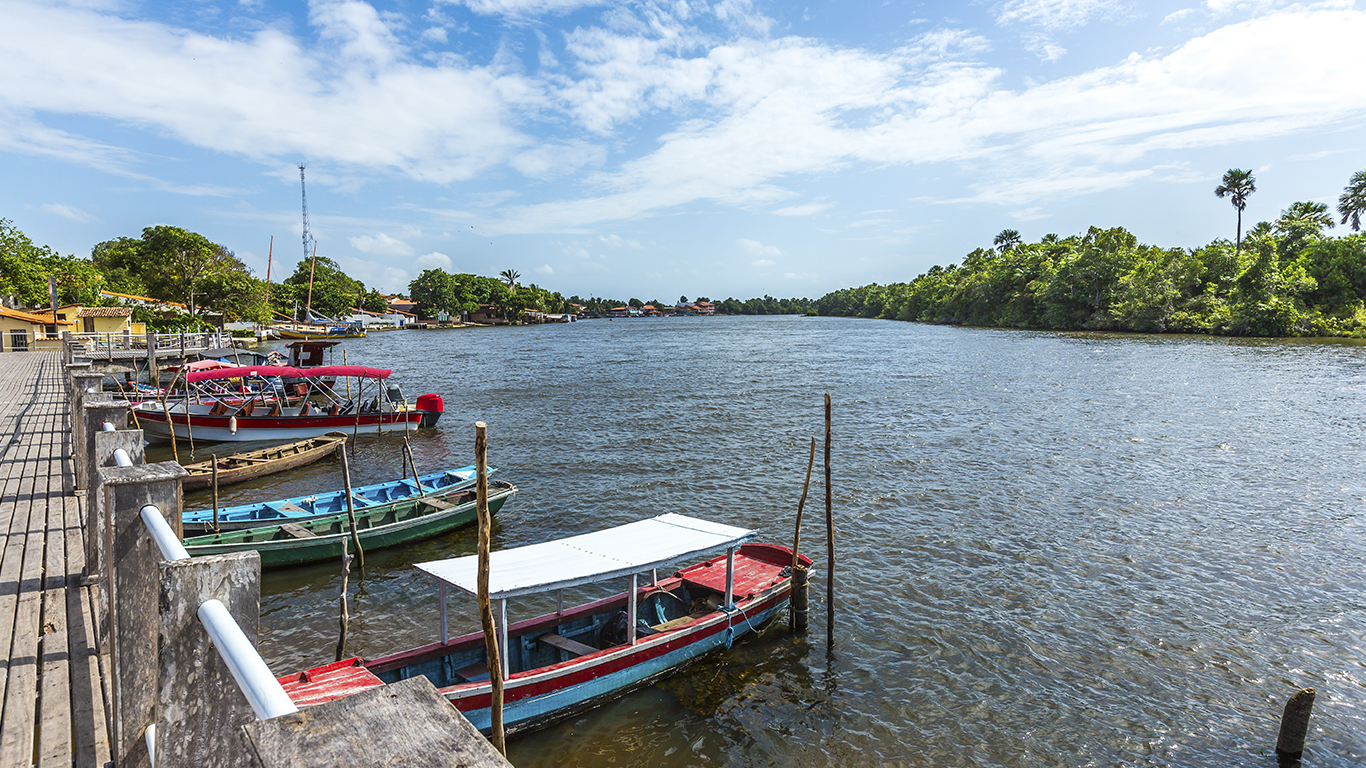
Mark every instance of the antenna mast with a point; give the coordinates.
(303, 191)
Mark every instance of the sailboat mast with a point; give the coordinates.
(308, 308)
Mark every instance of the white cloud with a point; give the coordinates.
(763, 262)
(380, 244)
(435, 34)
(526, 7)
(804, 209)
(1058, 14)
(545, 269)
(434, 260)
(68, 212)
(617, 241)
(756, 248)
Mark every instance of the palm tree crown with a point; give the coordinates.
(511, 276)
(1009, 238)
(1352, 204)
(1304, 219)
(1238, 185)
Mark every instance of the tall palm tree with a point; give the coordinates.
(1009, 238)
(1352, 204)
(511, 276)
(1238, 185)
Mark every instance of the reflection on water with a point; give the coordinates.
(1054, 549)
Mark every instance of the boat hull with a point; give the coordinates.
(153, 421)
(281, 552)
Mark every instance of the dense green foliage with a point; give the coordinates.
(1288, 279)
(765, 306)
(436, 290)
(25, 269)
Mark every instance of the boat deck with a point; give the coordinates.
(53, 693)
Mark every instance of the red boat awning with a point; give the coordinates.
(270, 371)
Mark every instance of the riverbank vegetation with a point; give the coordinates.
(1283, 278)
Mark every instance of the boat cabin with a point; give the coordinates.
(310, 354)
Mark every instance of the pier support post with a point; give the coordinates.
(407, 723)
(152, 357)
(96, 409)
(84, 385)
(134, 591)
(98, 520)
(1294, 726)
(73, 368)
(200, 708)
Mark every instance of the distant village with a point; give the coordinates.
(701, 307)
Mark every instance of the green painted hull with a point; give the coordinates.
(323, 538)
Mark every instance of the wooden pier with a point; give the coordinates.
(53, 711)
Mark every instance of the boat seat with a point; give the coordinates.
(218, 409)
(436, 504)
(565, 644)
(333, 410)
(473, 672)
(297, 531)
(305, 408)
(274, 411)
(346, 409)
(247, 409)
(673, 624)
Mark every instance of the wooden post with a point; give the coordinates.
(214, 462)
(351, 508)
(830, 538)
(348, 378)
(800, 589)
(485, 608)
(1294, 726)
(200, 708)
(345, 615)
(360, 402)
(801, 505)
(133, 597)
(408, 723)
(152, 370)
(412, 464)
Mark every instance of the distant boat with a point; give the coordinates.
(372, 498)
(239, 468)
(310, 332)
(323, 538)
(574, 659)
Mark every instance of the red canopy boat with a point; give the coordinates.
(258, 413)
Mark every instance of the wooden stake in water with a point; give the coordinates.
(1294, 726)
(830, 537)
(800, 585)
(345, 615)
(348, 378)
(351, 508)
(214, 459)
(485, 607)
(412, 463)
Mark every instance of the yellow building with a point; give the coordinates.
(101, 319)
(25, 331)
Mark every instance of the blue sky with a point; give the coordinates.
(652, 149)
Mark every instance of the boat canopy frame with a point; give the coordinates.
(591, 558)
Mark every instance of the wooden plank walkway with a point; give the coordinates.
(52, 692)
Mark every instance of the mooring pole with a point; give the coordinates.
(1294, 726)
(214, 460)
(345, 615)
(830, 537)
(351, 508)
(485, 608)
(800, 586)
(412, 464)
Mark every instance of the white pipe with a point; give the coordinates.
(262, 690)
(108, 427)
(169, 544)
(121, 458)
(151, 735)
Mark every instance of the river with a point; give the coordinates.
(1053, 549)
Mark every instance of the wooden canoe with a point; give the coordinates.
(323, 538)
(267, 461)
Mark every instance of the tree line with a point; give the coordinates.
(1283, 278)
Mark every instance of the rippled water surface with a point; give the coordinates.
(1073, 550)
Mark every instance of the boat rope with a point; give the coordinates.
(730, 627)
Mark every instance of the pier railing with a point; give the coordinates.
(186, 686)
(120, 345)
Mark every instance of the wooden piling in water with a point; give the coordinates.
(485, 608)
(345, 614)
(214, 462)
(351, 508)
(830, 537)
(800, 612)
(412, 462)
(1294, 726)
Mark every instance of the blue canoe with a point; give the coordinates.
(301, 508)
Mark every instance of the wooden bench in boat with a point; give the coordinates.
(565, 644)
(297, 531)
(437, 504)
(473, 672)
(287, 507)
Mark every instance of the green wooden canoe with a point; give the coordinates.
(321, 538)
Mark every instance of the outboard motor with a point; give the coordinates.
(431, 408)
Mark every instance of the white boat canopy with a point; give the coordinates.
(591, 557)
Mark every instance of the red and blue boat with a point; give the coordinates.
(574, 659)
